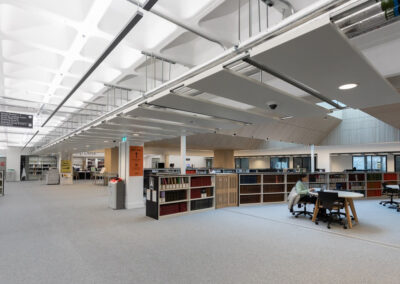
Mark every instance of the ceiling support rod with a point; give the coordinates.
(292, 82)
(182, 25)
(132, 23)
(34, 135)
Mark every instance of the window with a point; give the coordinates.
(242, 163)
(397, 163)
(279, 163)
(370, 163)
(304, 163)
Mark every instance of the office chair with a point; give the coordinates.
(304, 211)
(390, 192)
(331, 202)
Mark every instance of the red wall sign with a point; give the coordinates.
(135, 161)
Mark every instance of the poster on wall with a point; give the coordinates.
(66, 166)
(135, 161)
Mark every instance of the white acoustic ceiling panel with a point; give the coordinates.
(324, 59)
(185, 120)
(208, 108)
(237, 87)
(147, 124)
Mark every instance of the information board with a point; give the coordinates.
(11, 119)
(135, 161)
(66, 166)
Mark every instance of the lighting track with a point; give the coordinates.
(291, 82)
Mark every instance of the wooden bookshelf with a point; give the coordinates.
(226, 190)
(173, 195)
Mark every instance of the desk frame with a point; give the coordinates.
(347, 202)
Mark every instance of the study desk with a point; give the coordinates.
(393, 186)
(348, 197)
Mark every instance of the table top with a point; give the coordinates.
(392, 186)
(342, 194)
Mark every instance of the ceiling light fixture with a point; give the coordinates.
(286, 117)
(348, 86)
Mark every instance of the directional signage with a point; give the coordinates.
(11, 119)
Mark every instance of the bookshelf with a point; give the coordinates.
(259, 188)
(38, 166)
(2, 176)
(172, 195)
(226, 190)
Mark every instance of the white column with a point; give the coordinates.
(312, 159)
(133, 184)
(183, 155)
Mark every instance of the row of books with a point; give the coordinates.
(201, 204)
(168, 196)
(273, 179)
(201, 193)
(174, 208)
(201, 181)
(174, 183)
(250, 179)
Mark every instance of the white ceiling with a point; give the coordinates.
(47, 45)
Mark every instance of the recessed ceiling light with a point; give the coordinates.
(87, 146)
(106, 141)
(286, 117)
(135, 134)
(348, 86)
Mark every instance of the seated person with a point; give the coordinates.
(303, 190)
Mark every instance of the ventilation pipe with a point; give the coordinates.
(370, 18)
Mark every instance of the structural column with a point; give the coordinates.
(131, 171)
(312, 159)
(183, 155)
(224, 159)
(111, 158)
(166, 161)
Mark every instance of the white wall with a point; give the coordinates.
(196, 161)
(13, 155)
(358, 127)
(259, 163)
(341, 163)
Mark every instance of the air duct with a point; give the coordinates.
(370, 18)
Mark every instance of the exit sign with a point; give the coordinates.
(124, 139)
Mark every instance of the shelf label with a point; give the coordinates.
(11, 119)
(135, 161)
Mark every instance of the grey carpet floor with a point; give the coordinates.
(66, 234)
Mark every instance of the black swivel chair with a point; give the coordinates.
(390, 192)
(331, 202)
(304, 211)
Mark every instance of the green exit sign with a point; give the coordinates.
(124, 139)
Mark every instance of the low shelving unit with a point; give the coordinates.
(259, 188)
(172, 195)
(2, 176)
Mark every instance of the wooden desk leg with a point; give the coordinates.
(353, 210)
(316, 209)
(346, 208)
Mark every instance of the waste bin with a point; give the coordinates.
(116, 189)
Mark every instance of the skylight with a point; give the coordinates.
(328, 106)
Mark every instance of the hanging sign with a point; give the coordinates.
(11, 119)
(135, 161)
